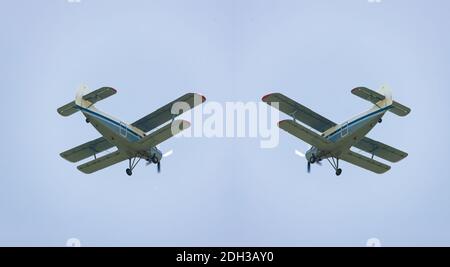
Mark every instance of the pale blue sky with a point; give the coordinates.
(223, 191)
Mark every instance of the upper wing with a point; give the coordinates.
(305, 134)
(381, 150)
(164, 114)
(164, 133)
(86, 150)
(99, 94)
(299, 112)
(367, 94)
(103, 162)
(364, 162)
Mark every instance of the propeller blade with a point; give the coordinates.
(298, 153)
(168, 153)
(159, 166)
(309, 167)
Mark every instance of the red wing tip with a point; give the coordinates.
(264, 98)
(282, 122)
(200, 95)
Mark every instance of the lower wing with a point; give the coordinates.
(380, 150)
(364, 162)
(86, 150)
(103, 162)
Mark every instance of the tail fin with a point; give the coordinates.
(381, 99)
(79, 100)
(387, 93)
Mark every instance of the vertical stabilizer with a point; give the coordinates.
(79, 100)
(387, 93)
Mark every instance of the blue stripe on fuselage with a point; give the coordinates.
(115, 123)
(351, 124)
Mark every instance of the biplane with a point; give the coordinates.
(332, 141)
(135, 141)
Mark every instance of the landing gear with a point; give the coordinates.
(335, 164)
(132, 163)
(380, 120)
(87, 120)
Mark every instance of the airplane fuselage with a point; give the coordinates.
(345, 135)
(119, 133)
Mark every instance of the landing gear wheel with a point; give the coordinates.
(132, 163)
(87, 120)
(338, 172)
(155, 160)
(380, 120)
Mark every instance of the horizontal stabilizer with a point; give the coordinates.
(99, 94)
(367, 94)
(68, 109)
(399, 109)
(85, 100)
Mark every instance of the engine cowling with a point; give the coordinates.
(155, 155)
(311, 153)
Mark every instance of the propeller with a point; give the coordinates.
(298, 153)
(168, 153)
(158, 165)
(308, 166)
(165, 155)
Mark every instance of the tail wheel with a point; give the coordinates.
(129, 172)
(338, 172)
